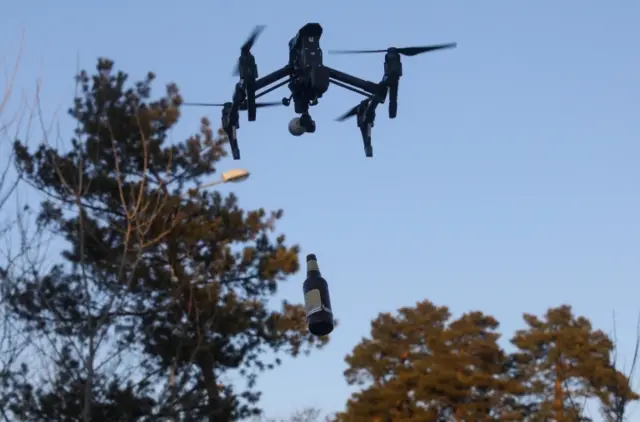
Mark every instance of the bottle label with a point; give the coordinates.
(312, 302)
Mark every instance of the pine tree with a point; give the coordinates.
(565, 361)
(421, 366)
(164, 289)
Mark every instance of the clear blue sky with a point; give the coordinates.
(507, 183)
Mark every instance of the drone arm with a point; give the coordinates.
(356, 84)
(273, 77)
(273, 87)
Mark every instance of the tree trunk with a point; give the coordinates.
(558, 402)
(215, 412)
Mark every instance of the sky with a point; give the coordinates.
(508, 183)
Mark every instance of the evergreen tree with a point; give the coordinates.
(164, 290)
(565, 361)
(420, 366)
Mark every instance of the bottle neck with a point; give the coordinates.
(312, 267)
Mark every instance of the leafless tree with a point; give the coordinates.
(144, 200)
(615, 405)
(140, 207)
(307, 414)
(19, 240)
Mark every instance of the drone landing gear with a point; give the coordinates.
(235, 151)
(393, 99)
(365, 130)
(251, 100)
(231, 133)
(368, 150)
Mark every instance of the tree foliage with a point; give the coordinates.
(164, 289)
(423, 365)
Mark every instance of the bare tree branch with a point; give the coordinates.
(615, 406)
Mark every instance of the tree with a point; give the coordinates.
(566, 361)
(175, 280)
(615, 401)
(10, 125)
(423, 366)
(20, 244)
(307, 414)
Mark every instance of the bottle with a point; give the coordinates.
(316, 300)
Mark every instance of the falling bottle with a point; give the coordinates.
(316, 300)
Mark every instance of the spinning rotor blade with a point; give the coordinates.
(405, 51)
(270, 104)
(242, 106)
(349, 114)
(246, 47)
(204, 104)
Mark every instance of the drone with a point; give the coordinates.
(308, 79)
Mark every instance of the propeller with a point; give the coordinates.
(349, 114)
(242, 106)
(405, 51)
(246, 47)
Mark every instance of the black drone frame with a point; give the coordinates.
(251, 87)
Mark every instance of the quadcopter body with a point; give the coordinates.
(308, 79)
